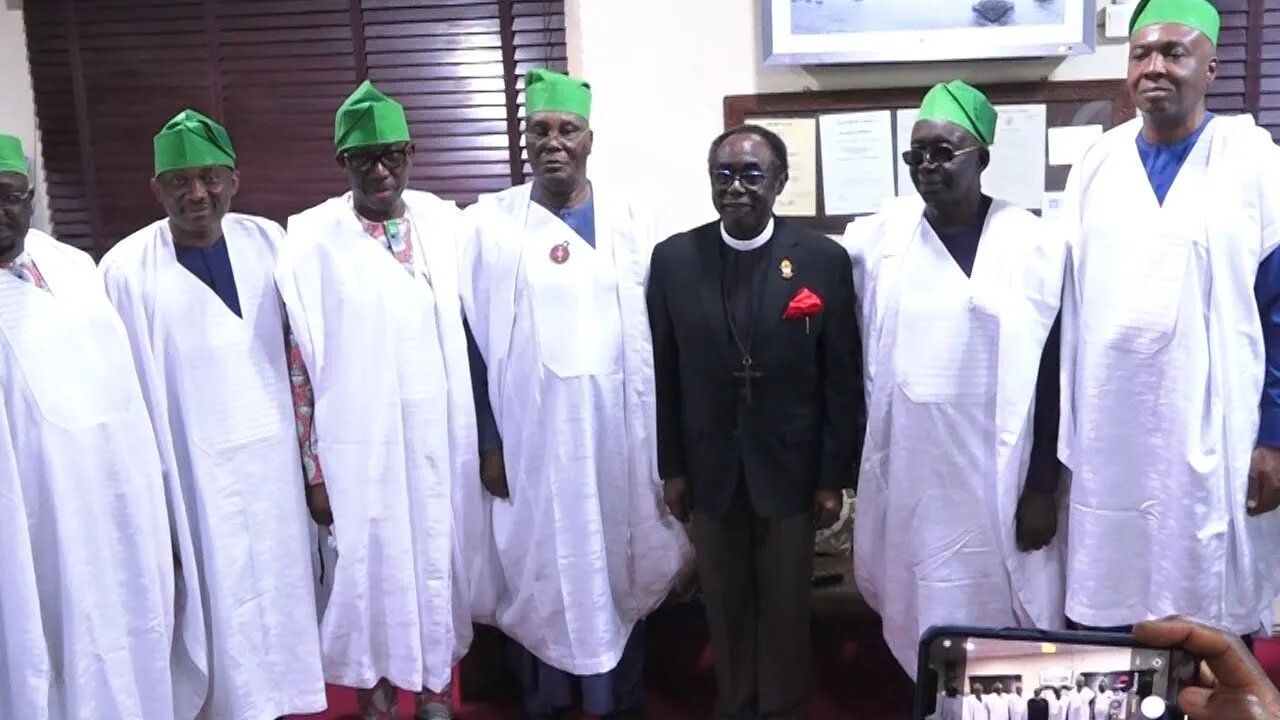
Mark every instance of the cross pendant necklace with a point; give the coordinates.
(747, 373)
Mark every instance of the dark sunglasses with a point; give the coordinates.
(940, 155)
(364, 160)
(725, 177)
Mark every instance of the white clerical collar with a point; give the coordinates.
(745, 245)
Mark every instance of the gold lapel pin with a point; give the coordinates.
(787, 270)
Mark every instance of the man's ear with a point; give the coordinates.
(782, 181)
(155, 190)
(984, 159)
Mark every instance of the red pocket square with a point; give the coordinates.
(804, 305)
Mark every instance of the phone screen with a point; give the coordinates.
(1060, 676)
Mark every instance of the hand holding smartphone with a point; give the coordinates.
(969, 672)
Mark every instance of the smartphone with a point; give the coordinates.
(967, 672)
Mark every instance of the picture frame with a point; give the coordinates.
(835, 32)
(1056, 677)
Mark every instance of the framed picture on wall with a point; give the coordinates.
(1056, 677)
(830, 32)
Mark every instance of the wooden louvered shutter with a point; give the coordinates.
(108, 73)
(283, 67)
(1265, 44)
(538, 40)
(1249, 61)
(1228, 93)
(105, 81)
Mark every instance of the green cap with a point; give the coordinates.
(191, 140)
(1198, 14)
(367, 117)
(550, 91)
(12, 158)
(959, 103)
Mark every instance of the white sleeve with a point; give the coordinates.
(1071, 229)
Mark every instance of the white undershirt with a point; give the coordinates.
(745, 245)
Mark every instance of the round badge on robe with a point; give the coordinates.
(560, 253)
(787, 270)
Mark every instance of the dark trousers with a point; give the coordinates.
(756, 577)
(549, 692)
(1073, 625)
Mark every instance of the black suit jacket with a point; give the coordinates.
(804, 428)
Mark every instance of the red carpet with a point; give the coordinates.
(856, 677)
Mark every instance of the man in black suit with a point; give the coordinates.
(761, 415)
(1038, 707)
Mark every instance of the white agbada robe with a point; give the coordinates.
(974, 709)
(396, 438)
(585, 546)
(951, 365)
(1102, 704)
(1077, 704)
(87, 619)
(218, 389)
(1163, 364)
(997, 706)
(1057, 708)
(1017, 707)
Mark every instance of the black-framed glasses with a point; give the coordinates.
(753, 178)
(937, 155)
(392, 158)
(14, 198)
(541, 131)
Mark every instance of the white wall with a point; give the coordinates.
(660, 70)
(1075, 660)
(18, 111)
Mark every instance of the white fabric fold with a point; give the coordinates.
(584, 545)
(87, 621)
(1163, 365)
(395, 428)
(218, 389)
(951, 367)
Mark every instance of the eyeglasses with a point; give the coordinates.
(540, 132)
(364, 160)
(938, 155)
(751, 178)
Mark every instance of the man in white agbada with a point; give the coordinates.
(1079, 701)
(974, 707)
(386, 421)
(1058, 702)
(1171, 348)
(996, 703)
(958, 297)
(553, 276)
(1017, 704)
(197, 294)
(87, 616)
(1104, 700)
